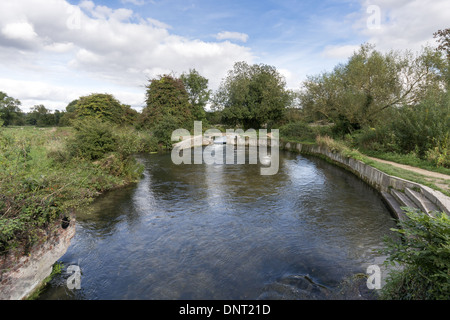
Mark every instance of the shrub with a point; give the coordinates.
(420, 128)
(440, 155)
(130, 141)
(423, 254)
(298, 131)
(101, 106)
(93, 139)
(163, 131)
(380, 138)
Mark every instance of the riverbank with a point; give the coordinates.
(37, 174)
(41, 187)
(396, 192)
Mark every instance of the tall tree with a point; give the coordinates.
(357, 93)
(9, 109)
(40, 116)
(166, 97)
(198, 92)
(443, 38)
(252, 95)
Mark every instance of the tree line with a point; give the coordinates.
(393, 102)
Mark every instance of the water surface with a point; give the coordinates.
(226, 232)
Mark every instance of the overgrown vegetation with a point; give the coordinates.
(44, 176)
(393, 105)
(422, 258)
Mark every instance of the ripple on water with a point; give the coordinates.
(226, 232)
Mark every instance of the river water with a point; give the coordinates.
(226, 232)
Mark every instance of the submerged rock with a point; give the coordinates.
(302, 287)
(295, 287)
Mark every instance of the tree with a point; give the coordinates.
(443, 38)
(358, 93)
(424, 127)
(198, 92)
(101, 106)
(9, 109)
(69, 115)
(58, 116)
(167, 98)
(40, 116)
(252, 95)
(129, 116)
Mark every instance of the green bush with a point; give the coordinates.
(298, 131)
(93, 139)
(440, 154)
(422, 127)
(424, 258)
(41, 180)
(110, 146)
(381, 138)
(163, 131)
(101, 106)
(131, 141)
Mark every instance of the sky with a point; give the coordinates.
(54, 51)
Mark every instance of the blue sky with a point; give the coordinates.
(53, 51)
(276, 30)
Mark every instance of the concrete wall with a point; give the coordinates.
(21, 274)
(374, 177)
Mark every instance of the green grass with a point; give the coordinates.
(389, 169)
(408, 159)
(404, 174)
(40, 183)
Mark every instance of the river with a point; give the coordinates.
(226, 232)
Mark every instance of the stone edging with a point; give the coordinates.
(379, 180)
(21, 274)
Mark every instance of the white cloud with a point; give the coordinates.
(135, 2)
(19, 30)
(97, 45)
(339, 51)
(228, 35)
(392, 25)
(403, 24)
(56, 96)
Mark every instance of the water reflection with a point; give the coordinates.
(226, 232)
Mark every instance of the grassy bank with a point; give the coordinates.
(407, 159)
(45, 174)
(434, 183)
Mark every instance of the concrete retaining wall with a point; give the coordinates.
(374, 177)
(21, 274)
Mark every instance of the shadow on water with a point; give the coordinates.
(227, 232)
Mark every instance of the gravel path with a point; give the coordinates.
(439, 179)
